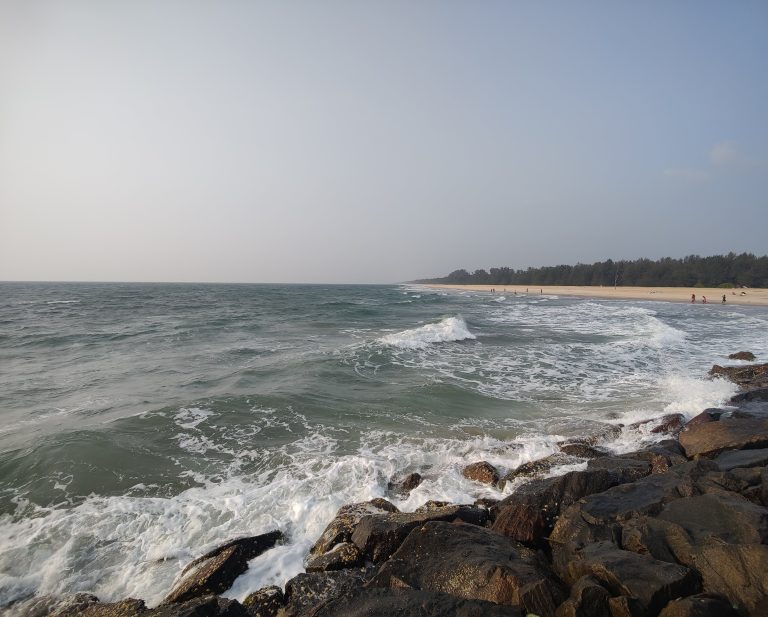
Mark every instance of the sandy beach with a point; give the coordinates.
(752, 297)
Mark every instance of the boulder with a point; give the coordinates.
(86, 605)
(471, 562)
(376, 602)
(340, 529)
(660, 456)
(207, 606)
(304, 592)
(712, 414)
(700, 605)
(482, 472)
(378, 536)
(758, 394)
(669, 423)
(750, 376)
(581, 450)
(626, 469)
(404, 485)
(529, 514)
(534, 468)
(588, 599)
(742, 355)
(344, 555)
(712, 438)
(732, 459)
(432, 505)
(214, 572)
(652, 582)
(266, 602)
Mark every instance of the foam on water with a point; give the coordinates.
(448, 330)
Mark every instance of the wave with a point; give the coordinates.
(448, 330)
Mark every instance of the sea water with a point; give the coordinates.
(143, 424)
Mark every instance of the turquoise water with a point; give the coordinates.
(141, 424)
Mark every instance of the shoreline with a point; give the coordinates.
(740, 297)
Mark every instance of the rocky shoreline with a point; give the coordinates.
(676, 529)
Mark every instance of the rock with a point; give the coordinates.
(588, 599)
(340, 529)
(208, 606)
(266, 602)
(471, 562)
(529, 514)
(731, 459)
(711, 438)
(378, 536)
(627, 469)
(700, 605)
(82, 605)
(668, 423)
(660, 457)
(758, 394)
(406, 485)
(432, 505)
(66, 607)
(344, 555)
(750, 376)
(482, 472)
(534, 468)
(486, 502)
(652, 582)
(742, 355)
(409, 603)
(623, 606)
(305, 592)
(713, 414)
(215, 571)
(581, 450)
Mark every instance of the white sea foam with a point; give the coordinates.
(448, 330)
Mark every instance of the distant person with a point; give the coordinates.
(693, 298)
(703, 299)
(541, 291)
(723, 298)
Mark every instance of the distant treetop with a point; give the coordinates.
(692, 271)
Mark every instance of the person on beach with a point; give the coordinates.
(703, 299)
(723, 298)
(693, 298)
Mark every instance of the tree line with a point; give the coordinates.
(729, 270)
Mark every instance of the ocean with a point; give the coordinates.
(143, 424)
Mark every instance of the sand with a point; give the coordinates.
(753, 297)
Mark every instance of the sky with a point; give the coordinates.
(375, 142)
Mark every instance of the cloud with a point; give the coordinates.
(686, 173)
(725, 154)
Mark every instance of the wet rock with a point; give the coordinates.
(529, 514)
(588, 599)
(214, 572)
(482, 472)
(660, 456)
(623, 606)
(340, 529)
(376, 602)
(700, 605)
(626, 469)
(652, 582)
(304, 592)
(432, 505)
(750, 376)
(712, 438)
(669, 423)
(208, 606)
(486, 502)
(404, 485)
(60, 607)
(534, 468)
(758, 394)
(581, 450)
(732, 459)
(713, 414)
(266, 602)
(378, 536)
(474, 563)
(86, 605)
(742, 355)
(344, 555)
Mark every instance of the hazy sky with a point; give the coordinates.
(375, 141)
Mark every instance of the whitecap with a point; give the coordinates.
(448, 330)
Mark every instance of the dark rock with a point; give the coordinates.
(713, 414)
(405, 485)
(581, 450)
(304, 592)
(750, 376)
(731, 459)
(627, 469)
(534, 468)
(471, 562)
(67, 607)
(659, 457)
(344, 555)
(669, 423)
(529, 514)
(215, 571)
(701, 605)
(588, 599)
(486, 502)
(482, 472)
(711, 438)
(652, 582)
(266, 602)
(758, 394)
(623, 606)
(375, 602)
(82, 605)
(378, 536)
(742, 355)
(208, 606)
(340, 529)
